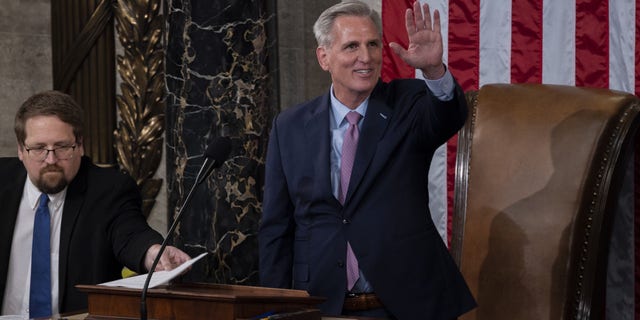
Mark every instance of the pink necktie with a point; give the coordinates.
(349, 145)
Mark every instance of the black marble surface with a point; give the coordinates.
(221, 81)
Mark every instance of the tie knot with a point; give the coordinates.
(353, 117)
(44, 200)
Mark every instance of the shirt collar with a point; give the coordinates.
(339, 110)
(33, 195)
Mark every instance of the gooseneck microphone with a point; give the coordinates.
(217, 152)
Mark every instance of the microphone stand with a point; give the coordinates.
(145, 288)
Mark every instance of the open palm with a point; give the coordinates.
(425, 41)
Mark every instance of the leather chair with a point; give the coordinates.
(539, 178)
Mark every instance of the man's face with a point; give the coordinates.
(51, 175)
(353, 58)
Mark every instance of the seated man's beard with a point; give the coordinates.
(51, 183)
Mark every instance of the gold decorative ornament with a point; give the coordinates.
(140, 130)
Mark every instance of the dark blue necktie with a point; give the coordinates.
(40, 291)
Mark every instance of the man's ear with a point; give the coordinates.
(20, 150)
(321, 54)
(80, 144)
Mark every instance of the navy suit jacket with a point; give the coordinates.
(102, 228)
(385, 217)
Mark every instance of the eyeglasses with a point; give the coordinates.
(41, 153)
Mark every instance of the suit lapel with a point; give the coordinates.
(318, 148)
(72, 204)
(10, 197)
(373, 128)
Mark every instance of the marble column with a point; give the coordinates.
(221, 81)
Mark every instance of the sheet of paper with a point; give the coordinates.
(157, 278)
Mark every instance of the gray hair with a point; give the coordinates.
(324, 24)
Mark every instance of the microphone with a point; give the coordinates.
(217, 153)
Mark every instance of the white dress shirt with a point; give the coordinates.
(16, 294)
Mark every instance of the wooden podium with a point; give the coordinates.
(199, 301)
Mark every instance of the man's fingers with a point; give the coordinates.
(173, 257)
(398, 49)
(424, 11)
(409, 22)
(436, 21)
(418, 17)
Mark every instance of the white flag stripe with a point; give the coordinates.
(495, 42)
(622, 34)
(559, 42)
(438, 191)
(438, 170)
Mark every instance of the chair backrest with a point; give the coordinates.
(539, 169)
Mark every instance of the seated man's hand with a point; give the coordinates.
(171, 258)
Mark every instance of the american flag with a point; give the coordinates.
(590, 43)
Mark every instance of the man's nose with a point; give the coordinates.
(365, 54)
(51, 157)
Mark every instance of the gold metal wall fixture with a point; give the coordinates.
(139, 135)
(83, 54)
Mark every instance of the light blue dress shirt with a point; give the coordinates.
(442, 88)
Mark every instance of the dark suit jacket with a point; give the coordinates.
(102, 228)
(304, 229)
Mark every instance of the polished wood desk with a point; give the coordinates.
(198, 301)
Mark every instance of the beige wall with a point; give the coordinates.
(25, 60)
(375, 4)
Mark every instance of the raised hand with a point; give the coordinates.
(425, 41)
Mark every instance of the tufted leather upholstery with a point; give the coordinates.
(539, 172)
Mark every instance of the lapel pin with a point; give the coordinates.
(383, 116)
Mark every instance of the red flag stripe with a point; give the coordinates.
(464, 64)
(464, 42)
(592, 43)
(526, 41)
(394, 31)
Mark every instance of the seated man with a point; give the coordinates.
(66, 221)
